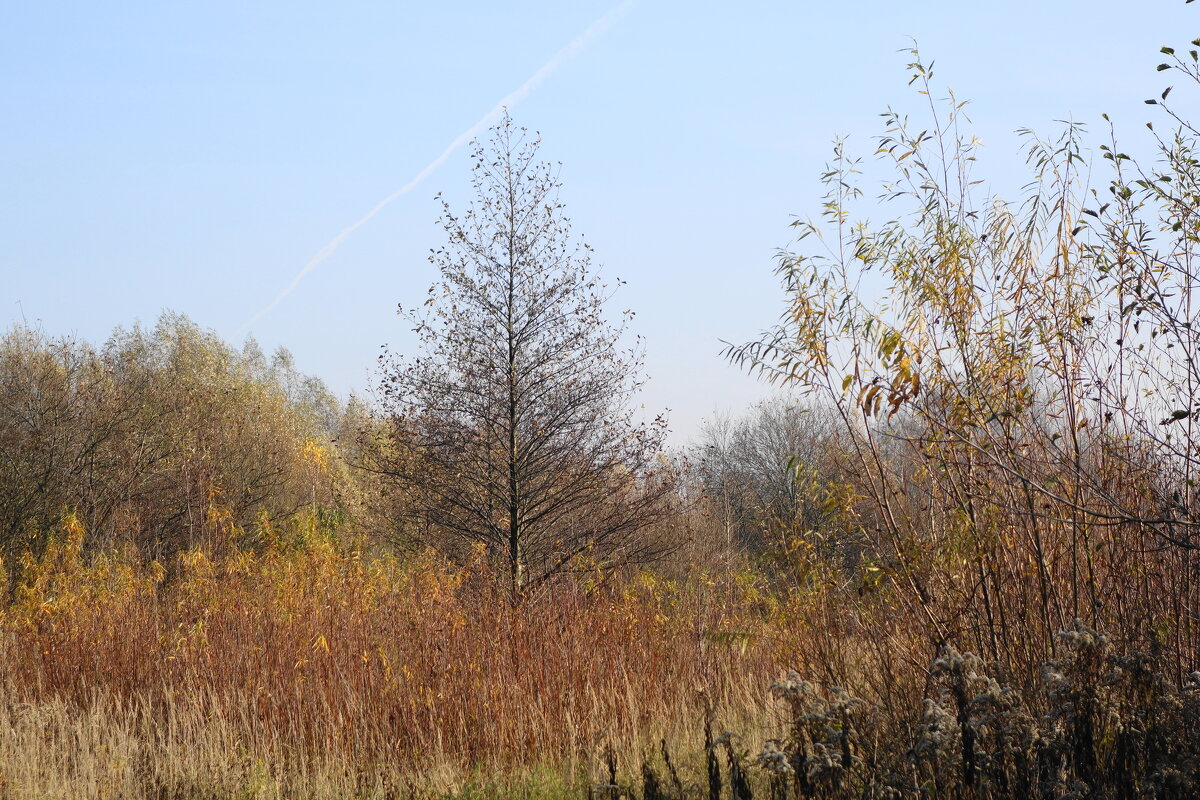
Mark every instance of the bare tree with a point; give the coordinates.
(514, 431)
(768, 471)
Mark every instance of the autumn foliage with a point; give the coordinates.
(960, 561)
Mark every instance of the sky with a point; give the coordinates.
(198, 157)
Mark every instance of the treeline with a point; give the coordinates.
(162, 440)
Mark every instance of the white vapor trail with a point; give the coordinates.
(517, 95)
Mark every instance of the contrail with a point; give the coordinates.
(517, 95)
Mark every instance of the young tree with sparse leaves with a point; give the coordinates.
(514, 431)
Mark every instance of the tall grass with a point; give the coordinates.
(280, 672)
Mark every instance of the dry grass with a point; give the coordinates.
(308, 670)
(321, 673)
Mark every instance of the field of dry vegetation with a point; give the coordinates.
(321, 672)
(962, 562)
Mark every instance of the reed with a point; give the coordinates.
(321, 672)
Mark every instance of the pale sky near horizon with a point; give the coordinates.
(196, 156)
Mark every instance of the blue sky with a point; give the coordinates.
(195, 156)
